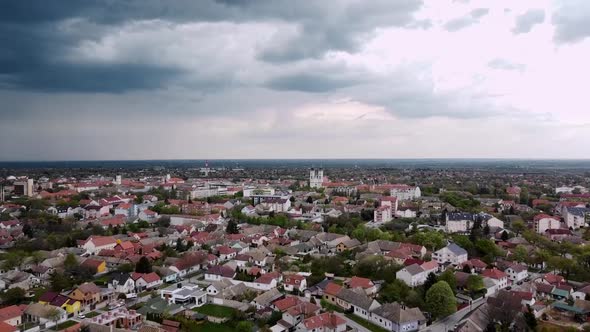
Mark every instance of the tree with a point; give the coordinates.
(70, 262)
(14, 295)
(520, 254)
(126, 268)
(449, 277)
(504, 236)
(518, 227)
(59, 282)
(474, 283)
(530, 319)
(440, 300)
(232, 227)
(28, 231)
(143, 265)
(180, 245)
(309, 200)
(430, 281)
(54, 314)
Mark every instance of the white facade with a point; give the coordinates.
(405, 193)
(316, 177)
(517, 274)
(452, 254)
(543, 224)
(458, 226)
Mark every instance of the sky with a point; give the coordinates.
(183, 79)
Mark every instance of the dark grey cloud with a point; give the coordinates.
(526, 21)
(571, 21)
(306, 82)
(34, 47)
(460, 23)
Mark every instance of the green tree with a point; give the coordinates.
(449, 277)
(70, 262)
(474, 283)
(430, 281)
(232, 227)
(440, 300)
(530, 319)
(520, 254)
(518, 227)
(14, 295)
(143, 265)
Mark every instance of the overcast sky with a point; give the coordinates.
(152, 79)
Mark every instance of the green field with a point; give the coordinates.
(65, 325)
(92, 314)
(215, 310)
(211, 327)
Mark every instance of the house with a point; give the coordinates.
(95, 265)
(581, 293)
(294, 282)
(398, 318)
(412, 275)
(326, 322)
(126, 319)
(347, 244)
(404, 192)
(517, 272)
(451, 254)
(475, 265)
(219, 272)
(457, 222)
(145, 281)
(363, 283)
(88, 294)
(189, 295)
(543, 222)
(122, 283)
(44, 314)
(265, 299)
(355, 300)
(95, 244)
(500, 278)
(266, 281)
(11, 315)
(71, 306)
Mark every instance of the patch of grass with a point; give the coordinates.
(64, 325)
(366, 324)
(212, 327)
(216, 310)
(92, 314)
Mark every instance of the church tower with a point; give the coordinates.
(316, 177)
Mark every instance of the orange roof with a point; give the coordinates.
(286, 303)
(10, 312)
(332, 289)
(5, 327)
(494, 274)
(360, 282)
(327, 319)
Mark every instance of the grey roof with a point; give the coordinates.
(359, 299)
(266, 298)
(414, 269)
(399, 314)
(120, 277)
(578, 211)
(455, 216)
(455, 249)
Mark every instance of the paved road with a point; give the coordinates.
(448, 324)
(352, 323)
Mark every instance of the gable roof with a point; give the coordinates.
(399, 314)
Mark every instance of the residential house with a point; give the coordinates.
(11, 315)
(365, 284)
(88, 294)
(145, 281)
(95, 265)
(189, 295)
(294, 282)
(517, 272)
(326, 322)
(451, 254)
(122, 283)
(398, 318)
(219, 272)
(95, 244)
(500, 278)
(44, 314)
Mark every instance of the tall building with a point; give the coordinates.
(118, 180)
(24, 188)
(316, 177)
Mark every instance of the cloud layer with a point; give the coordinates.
(147, 79)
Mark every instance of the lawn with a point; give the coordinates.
(92, 314)
(215, 310)
(65, 325)
(211, 327)
(366, 324)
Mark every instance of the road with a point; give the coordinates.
(448, 324)
(352, 323)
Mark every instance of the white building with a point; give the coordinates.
(189, 295)
(517, 272)
(398, 318)
(405, 193)
(383, 214)
(543, 222)
(316, 177)
(452, 254)
(575, 217)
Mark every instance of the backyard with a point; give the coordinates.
(216, 311)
